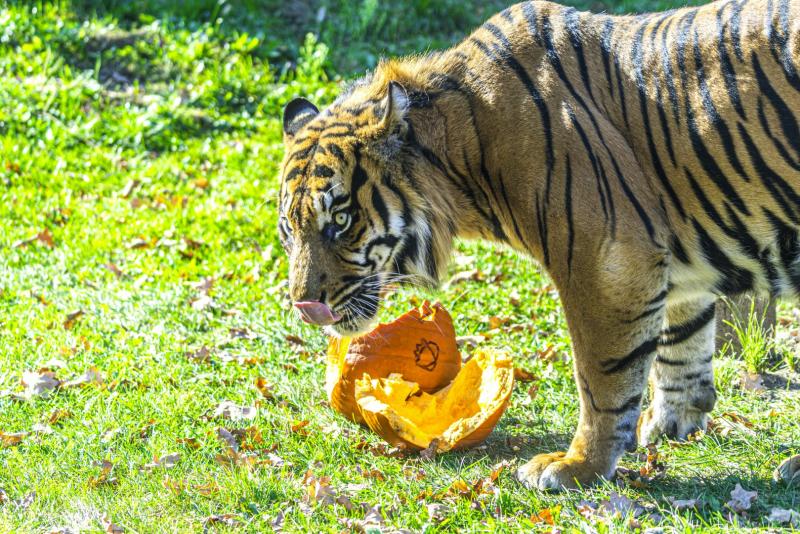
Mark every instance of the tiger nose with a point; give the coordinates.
(315, 312)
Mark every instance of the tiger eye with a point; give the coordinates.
(341, 218)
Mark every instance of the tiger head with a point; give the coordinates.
(352, 218)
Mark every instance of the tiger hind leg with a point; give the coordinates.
(682, 377)
(615, 319)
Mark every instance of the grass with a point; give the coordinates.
(138, 157)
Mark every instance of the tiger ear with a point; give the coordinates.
(395, 107)
(391, 114)
(297, 114)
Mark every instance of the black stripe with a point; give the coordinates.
(619, 364)
(676, 247)
(572, 25)
(728, 72)
(782, 192)
(630, 404)
(788, 247)
(568, 209)
(673, 363)
(651, 141)
(605, 51)
(380, 206)
(767, 130)
(680, 333)
(786, 118)
(733, 279)
(666, 63)
(711, 110)
(736, 34)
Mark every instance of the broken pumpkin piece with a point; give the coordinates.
(460, 415)
(420, 345)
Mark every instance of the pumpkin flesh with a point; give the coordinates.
(459, 415)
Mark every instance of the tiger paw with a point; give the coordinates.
(557, 471)
(673, 422)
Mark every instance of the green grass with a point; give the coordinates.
(145, 140)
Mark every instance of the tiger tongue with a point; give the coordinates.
(316, 312)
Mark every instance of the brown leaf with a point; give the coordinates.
(546, 515)
(235, 412)
(295, 340)
(104, 478)
(39, 383)
(201, 355)
(72, 318)
(192, 443)
(264, 387)
(741, 499)
(533, 390)
(113, 269)
(470, 341)
(522, 375)
(91, 376)
(11, 440)
(497, 322)
(784, 517)
(110, 527)
(685, 504)
(788, 471)
(229, 520)
(429, 452)
(752, 382)
(464, 276)
(298, 427)
(138, 243)
(129, 188)
(168, 461)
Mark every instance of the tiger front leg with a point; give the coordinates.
(615, 315)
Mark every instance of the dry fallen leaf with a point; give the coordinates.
(229, 520)
(788, 471)
(91, 376)
(298, 427)
(437, 512)
(752, 382)
(72, 318)
(546, 515)
(522, 375)
(682, 504)
(784, 517)
(109, 527)
(11, 440)
(167, 461)
(104, 478)
(192, 443)
(264, 387)
(429, 453)
(235, 412)
(202, 355)
(469, 341)
(58, 415)
(39, 383)
(741, 499)
(464, 276)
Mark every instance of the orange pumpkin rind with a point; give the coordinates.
(460, 415)
(420, 345)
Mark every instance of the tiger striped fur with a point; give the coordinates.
(649, 163)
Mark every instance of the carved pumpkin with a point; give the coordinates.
(460, 415)
(420, 345)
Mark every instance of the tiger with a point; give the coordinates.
(648, 163)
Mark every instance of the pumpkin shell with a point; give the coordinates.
(458, 416)
(420, 345)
